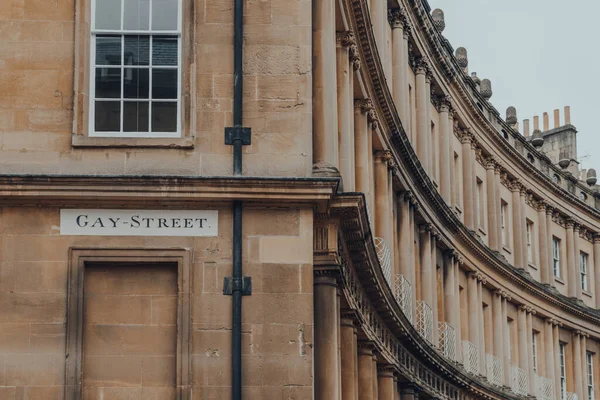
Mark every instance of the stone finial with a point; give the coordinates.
(511, 115)
(438, 19)
(563, 160)
(461, 57)
(486, 89)
(591, 177)
(537, 140)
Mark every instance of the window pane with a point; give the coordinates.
(164, 15)
(137, 15)
(108, 83)
(164, 117)
(137, 50)
(164, 50)
(107, 116)
(108, 14)
(135, 116)
(136, 84)
(164, 84)
(108, 50)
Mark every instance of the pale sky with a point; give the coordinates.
(539, 54)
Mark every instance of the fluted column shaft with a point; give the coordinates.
(530, 371)
(399, 69)
(498, 200)
(473, 298)
(365, 373)
(556, 341)
(362, 141)
(456, 307)
(404, 237)
(349, 358)
(445, 153)
(434, 286)
(426, 266)
(325, 141)
(549, 251)
(525, 262)
(413, 259)
(498, 326)
(379, 21)
(549, 350)
(345, 109)
(423, 121)
(468, 183)
(577, 370)
(482, 338)
(577, 262)
(385, 383)
(571, 271)
(516, 223)
(584, 363)
(494, 240)
(450, 290)
(522, 332)
(383, 215)
(543, 243)
(597, 267)
(326, 338)
(507, 344)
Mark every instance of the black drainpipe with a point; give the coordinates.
(237, 285)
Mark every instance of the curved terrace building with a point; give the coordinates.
(282, 199)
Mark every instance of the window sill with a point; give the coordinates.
(168, 143)
(586, 293)
(559, 280)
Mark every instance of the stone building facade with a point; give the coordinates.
(389, 234)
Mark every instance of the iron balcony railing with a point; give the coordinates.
(425, 320)
(385, 259)
(447, 342)
(572, 396)
(471, 357)
(544, 388)
(519, 381)
(495, 370)
(403, 294)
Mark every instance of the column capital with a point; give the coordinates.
(541, 205)
(385, 370)
(397, 17)
(384, 156)
(365, 348)
(515, 185)
(498, 168)
(489, 162)
(365, 104)
(570, 224)
(372, 118)
(466, 136)
(349, 317)
(481, 278)
(354, 56)
(421, 66)
(425, 228)
(344, 39)
(549, 209)
(596, 237)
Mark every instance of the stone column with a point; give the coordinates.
(450, 290)
(413, 256)
(404, 236)
(362, 133)
(383, 217)
(372, 131)
(576, 263)
(349, 356)
(468, 181)
(423, 118)
(549, 349)
(584, 337)
(446, 159)
(571, 271)
(399, 66)
(434, 286)
(543, 243)
(365, 372)
(493, 214)
(385, 382)
(507, 344)
(326, 339)
(525, 262)
(426, 266)
(473, 306)
(498, 325)
(518, 238)
(407, 123)
(456, 306)
(577, 362)
(338, 323)
(345, 108)
(374, 380)
(597, 267)
(482, 338)
(378, 11)
(325, 141)
(530, 371)
(409, 393)
(550, 265)
(523, 342)
(498, 185)
(556, 340)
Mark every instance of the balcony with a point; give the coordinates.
(403, 295)
(519, 381)
(544, 388)
(571, 396)
(495, 370)
(471, 357)
(425, 321)
(385, 259)
(447, 342)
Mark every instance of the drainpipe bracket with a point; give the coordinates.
(231, 284)
(238, 133)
